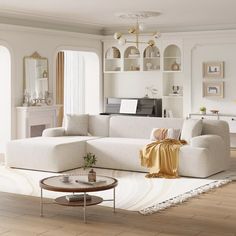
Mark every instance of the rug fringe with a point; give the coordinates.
(183, 197)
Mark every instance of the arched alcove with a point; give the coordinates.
(5, 101)
(151, 58)
(172, 58)
(112, 59)
(131, 59)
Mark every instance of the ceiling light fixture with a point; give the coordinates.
(137, 29)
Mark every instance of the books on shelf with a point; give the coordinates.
(77, 197)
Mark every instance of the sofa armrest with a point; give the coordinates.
(216, 147)
(54, 132)
(207, 141)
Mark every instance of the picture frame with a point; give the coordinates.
(213, 89)
(213, 70)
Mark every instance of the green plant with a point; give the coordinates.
(203, 109)
(89, 160)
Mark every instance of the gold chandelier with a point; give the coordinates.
(137, 29)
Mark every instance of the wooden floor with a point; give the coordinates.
(210, 214)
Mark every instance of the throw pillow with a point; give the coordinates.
(191, 128)
(158, 134)
(174, 133)
(76, 125)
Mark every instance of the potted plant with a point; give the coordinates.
(89, 161)
(203, 110)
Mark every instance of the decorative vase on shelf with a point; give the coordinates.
(149, 66)
(175, 66)
(92, 176)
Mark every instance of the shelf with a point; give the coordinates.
(172, 71)
(179, 97)
(172, 57)
(156, 58)
(112, 59)
(132, 58)
(132, 71)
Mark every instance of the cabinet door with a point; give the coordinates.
(231, 121)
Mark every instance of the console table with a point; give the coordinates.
(32, 120)
(230, 118)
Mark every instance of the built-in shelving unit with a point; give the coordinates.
(134, 72)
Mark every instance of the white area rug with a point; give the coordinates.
(134, 192)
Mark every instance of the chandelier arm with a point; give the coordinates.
(130, 41)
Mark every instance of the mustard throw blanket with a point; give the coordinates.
(162, 158)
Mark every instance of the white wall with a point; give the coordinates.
(23, 41)
(132, 85)
(214, 52)
(204, 47)
(5, 100)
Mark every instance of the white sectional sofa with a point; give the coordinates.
(116, 141)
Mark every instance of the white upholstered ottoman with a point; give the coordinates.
(46, 153)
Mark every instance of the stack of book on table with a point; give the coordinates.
(77, 197)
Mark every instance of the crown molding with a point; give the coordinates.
(21, 18)
(172, 28)
(51, 24)
(54, 32)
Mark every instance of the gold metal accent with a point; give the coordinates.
(135, 30)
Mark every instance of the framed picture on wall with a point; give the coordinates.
(213, 89)
(213, 69)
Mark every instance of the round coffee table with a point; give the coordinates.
(78, 184)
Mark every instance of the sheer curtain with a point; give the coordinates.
(74, 84)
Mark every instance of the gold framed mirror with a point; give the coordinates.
(36, 80)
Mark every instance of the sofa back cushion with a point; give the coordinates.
(191, 128)
(99, 125)
(140, 127)
(76, 124)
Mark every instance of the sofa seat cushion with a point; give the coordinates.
(54, 154)
(118, 153)
(123, 153)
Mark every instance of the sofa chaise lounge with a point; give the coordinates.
(116, 141)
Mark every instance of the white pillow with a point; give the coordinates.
(76, 125)
(191, 128)
(171, 133)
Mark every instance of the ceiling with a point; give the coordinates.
(99, 16)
